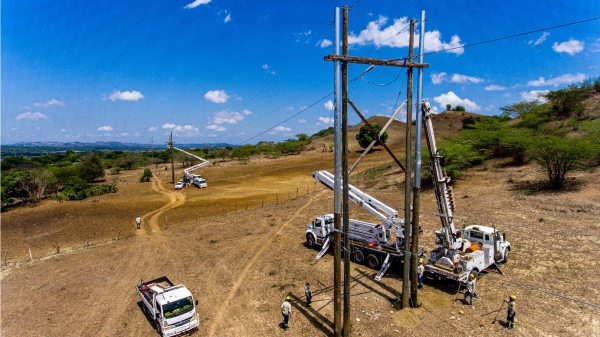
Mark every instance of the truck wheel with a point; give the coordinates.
(372, 261)
(505, 256)
(310, 240)
(359, 257)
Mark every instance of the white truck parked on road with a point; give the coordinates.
(457, 254)
(374, 244)
(171, 307)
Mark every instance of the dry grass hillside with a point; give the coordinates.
(239, 246)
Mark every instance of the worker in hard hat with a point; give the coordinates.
(420, 272)
(286, 311)
(307, 292)
(138, 221)
(511, 312)
(470, 286)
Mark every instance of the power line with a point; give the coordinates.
(514, 35)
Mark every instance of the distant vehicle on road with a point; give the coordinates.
(179, 185)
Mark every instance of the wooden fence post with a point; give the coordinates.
(6, 252)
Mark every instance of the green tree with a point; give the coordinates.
(569, 100)
(365, 137)
(91, 168)
(459, 108)
(146, 176)
(74, 189)
(559, 155)
(448, 107)
(302, 137)
(130, 161)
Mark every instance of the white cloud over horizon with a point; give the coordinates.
(216, 96)
(397, 36)
(31, 116)
(329, 105)
(556, 81)
(494, 87)
(49, 103)
(215, 127)
(179, 130)
(534, 95)
(196, 3)
(570, 47)
(325, 120)
(452, 98)
(223, 117)
(105, 128)
(125, 96)
(153, 128)
(227, 18)
(437, 78)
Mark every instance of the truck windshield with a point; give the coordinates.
(178, 307)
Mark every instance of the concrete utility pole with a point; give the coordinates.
(337, 217)
(346, 211)
(417, 185)
(345, 59)
(408, 178)
(170, 145)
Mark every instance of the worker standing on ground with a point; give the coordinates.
(420, 271)
(286, 311)
(470, 285)
(308, 293)
(138, 221)
(511, 312)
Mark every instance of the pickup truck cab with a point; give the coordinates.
(171, 307)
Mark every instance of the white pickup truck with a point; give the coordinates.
(171, 307)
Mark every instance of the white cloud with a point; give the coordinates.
(329, 105)
(124, 134)
(451, 98)
(301, 120)
(215, 127)
(556, 81)
(247, 112)
(326, 120)
(540, 40)
(438, 78)
(458, 78)
(302, 107)
(152, 128)
(268, 69)
(222, 117)
(105, 128)
(185, 130)
(494, 87)
(396, 36)
(125, 96)
(49, 103)
(227, 18)
(534, 96)
(489, 107)
(31, 115)
(216, 96)
(281, 129)
(63, 130)
(196, 3)
(324, 43)
(570, 47)
(137, 134)
(168, 126)
(289, 108)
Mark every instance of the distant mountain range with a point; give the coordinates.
(36, 148)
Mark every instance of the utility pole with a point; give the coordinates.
(408, 178)
(417, 185)
(337, 217)
(346, 211)
(345, 59)
(170, 142)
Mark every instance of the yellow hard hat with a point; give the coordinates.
(513, 297)
(307, 282)
(472, 276)
(288, 297)
(420, 260)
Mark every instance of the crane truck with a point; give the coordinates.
(458, 253)
(374, 244)
(171, 307)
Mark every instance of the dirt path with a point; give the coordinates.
(176, 199)
(238, 282)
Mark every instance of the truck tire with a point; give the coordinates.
(505, 259)
(372, 261)
(310, 240)
(359, 257)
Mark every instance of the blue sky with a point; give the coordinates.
(230, 71)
